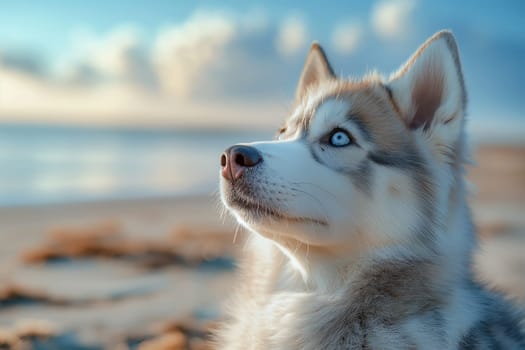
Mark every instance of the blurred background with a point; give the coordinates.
(112, 119)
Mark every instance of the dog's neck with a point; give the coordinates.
(327, 269)
(309, 268)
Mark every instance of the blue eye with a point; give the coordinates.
(340, 138)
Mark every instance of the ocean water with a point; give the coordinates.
(46, 164)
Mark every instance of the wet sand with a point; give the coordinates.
(152, 273)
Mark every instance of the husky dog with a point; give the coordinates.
(362, 236)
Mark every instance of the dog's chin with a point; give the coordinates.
(264, 216)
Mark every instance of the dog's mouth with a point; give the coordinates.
(256, 210)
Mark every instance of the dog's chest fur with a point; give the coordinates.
(398, 305)
(367, 311)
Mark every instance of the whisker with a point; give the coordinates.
(314, 185)
(316, 200)
(235, 232)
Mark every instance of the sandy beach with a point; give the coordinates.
(152, 273)
(114, 273)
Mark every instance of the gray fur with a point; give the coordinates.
(379, 301)
(498, 327)
(361, 177)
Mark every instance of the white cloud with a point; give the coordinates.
(110, 55)
(390, 18)
(347, 36)
(182, 52)
(26, 98)
(213, 68)
(292, 36)
(118, 56)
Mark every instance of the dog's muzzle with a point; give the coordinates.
(236, 159)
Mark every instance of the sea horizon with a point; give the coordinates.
(56, 164)
(50, 163)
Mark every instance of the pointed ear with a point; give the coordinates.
(429, 90)
(316, 69)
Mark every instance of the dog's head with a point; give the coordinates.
(357, 162)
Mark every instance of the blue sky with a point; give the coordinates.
(236, 62)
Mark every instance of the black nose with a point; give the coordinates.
(238, 157)
(245, 156)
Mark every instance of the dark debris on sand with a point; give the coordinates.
(190, 248)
